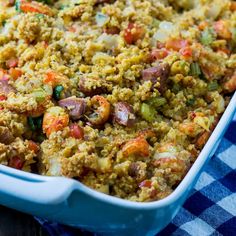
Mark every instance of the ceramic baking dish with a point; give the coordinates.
(69, 202)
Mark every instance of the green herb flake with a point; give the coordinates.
(57, 92)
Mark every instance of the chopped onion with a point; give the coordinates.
(109, 41)
(101, 19)
(163, 155)
(167, 26)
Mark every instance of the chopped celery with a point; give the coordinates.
(157, 102)
(207, 37)
(148, 112)
(195, 69)
(39, 94)
(213, 85)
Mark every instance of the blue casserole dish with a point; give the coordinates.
(71, 203)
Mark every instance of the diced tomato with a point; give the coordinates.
(15, 73)
(35, 7)
(3, 98)
(11, 63)
(186, 52)
(158, 54)
(176, 44)
(221, 27)
(133, 33)
(16, 162)
(76, 131)
(146, 183)
(33, 146)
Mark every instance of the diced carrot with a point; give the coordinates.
(54, 78)
(146, 183)
(76, 131)
(35, 7)
(12, 62)
(33, 146)
(176, 44)
(221, 27)
(51, 78)
(15, 73)
(133, 33)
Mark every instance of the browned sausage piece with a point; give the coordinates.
(161, 71)
(90, 87)
(6, 135)
(76, 106)
(124, 114)
(5, 87)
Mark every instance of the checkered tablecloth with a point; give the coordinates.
(211, 208)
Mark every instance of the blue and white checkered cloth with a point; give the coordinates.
(211, 208)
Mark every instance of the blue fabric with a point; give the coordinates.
(211, 208)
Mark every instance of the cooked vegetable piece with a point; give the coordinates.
(195, 69)
(157, 101)
(55, 119)
(213, 85)
(25, 6)
(133, 33)
(124, 114)
(138, 146)
(75, 106)
(148, 112)
(101, 110)
(6, 88)
(57, 92)
(16, 162)
(76, 131)
(159, 73)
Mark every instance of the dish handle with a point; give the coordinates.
(34, 188)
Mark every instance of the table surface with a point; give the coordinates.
(14, 223)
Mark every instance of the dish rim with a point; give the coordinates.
(190, 177)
